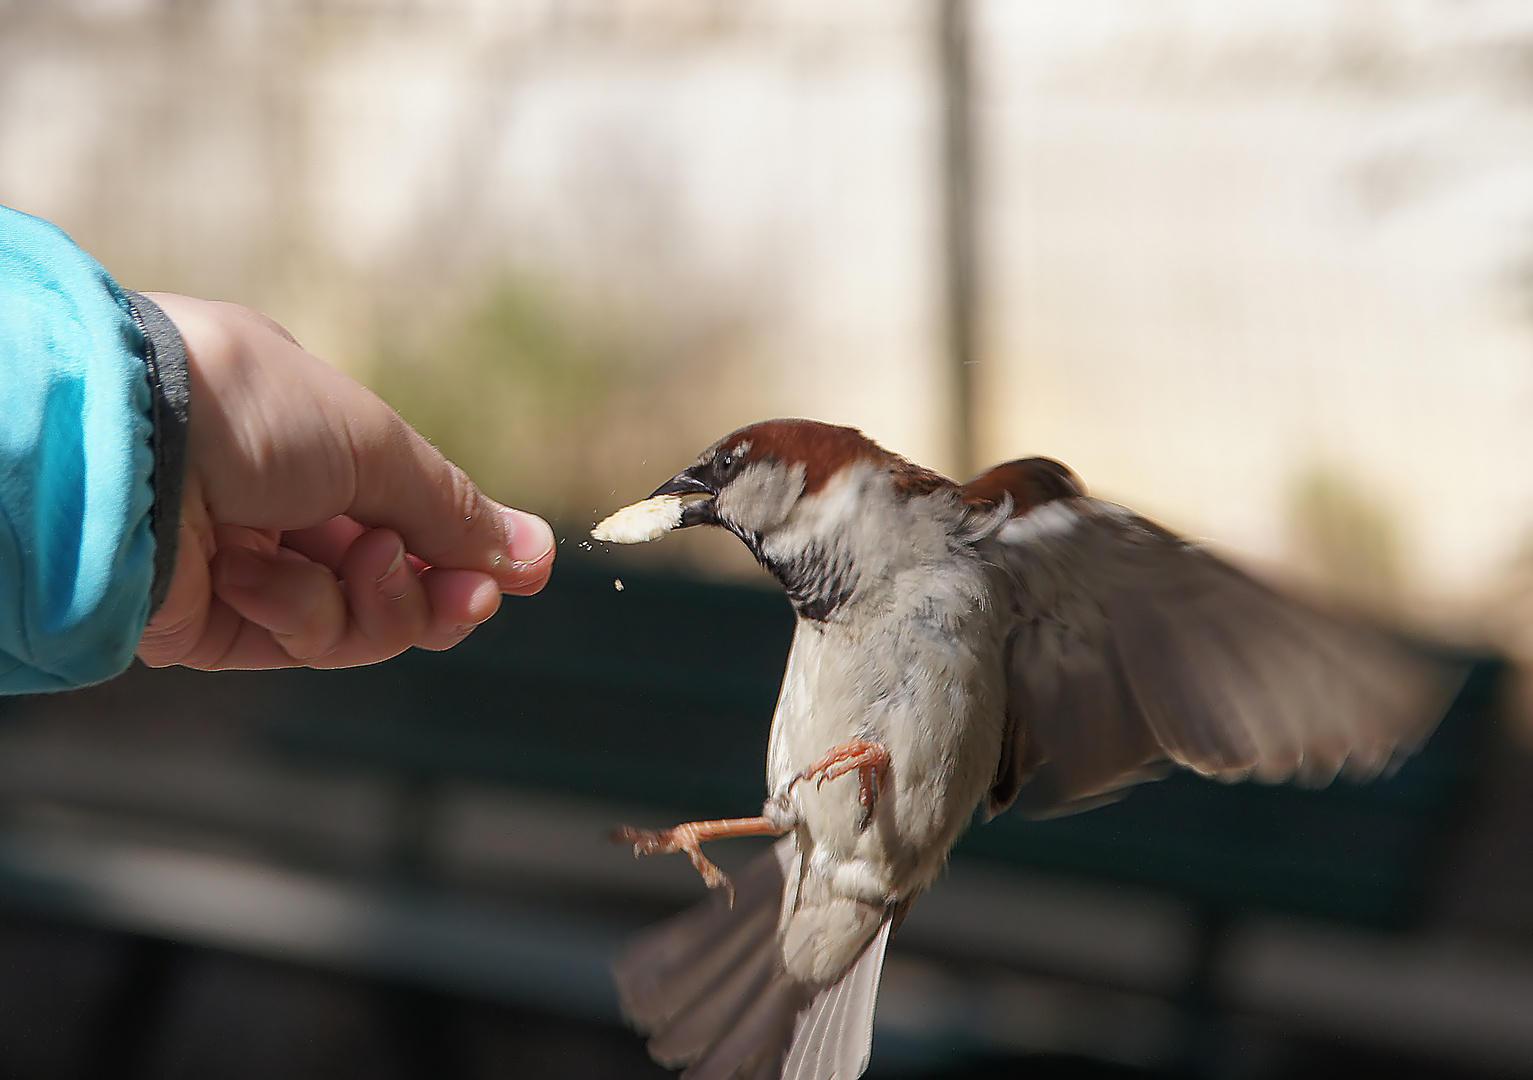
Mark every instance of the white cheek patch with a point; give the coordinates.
(762, 496)
(641, 522)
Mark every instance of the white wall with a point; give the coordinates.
(1227, 246)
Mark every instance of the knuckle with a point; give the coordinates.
(465, 500)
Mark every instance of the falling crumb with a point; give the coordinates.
(617, 583)
(643, 521)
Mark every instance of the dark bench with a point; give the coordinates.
(659, 696)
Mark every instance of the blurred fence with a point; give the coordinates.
(1224, 256)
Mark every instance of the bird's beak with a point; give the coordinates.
(697, 506)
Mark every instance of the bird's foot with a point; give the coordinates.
(868, 758)
(689, 837)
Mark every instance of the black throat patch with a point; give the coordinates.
(819, 580)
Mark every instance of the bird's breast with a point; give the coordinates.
(928, 686)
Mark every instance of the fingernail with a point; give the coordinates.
(394, 582)
(530, 538)
(243, 569)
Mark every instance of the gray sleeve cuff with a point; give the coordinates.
(170, 401)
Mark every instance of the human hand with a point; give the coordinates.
(317, 527)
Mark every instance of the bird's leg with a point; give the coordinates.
(871, 761)
(689, 837)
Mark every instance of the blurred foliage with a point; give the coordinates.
(1345, 537)
(567, 408)
(511, 389)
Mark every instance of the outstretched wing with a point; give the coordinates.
(1133, 650)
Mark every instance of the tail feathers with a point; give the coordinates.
(667, 970)
(754, 1004)
(834, 1036)
(710, 989)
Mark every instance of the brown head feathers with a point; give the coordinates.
(826, 449)
(823, 450)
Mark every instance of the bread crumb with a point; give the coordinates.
(641, 522)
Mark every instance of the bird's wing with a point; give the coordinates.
(710, 989)
(1133, 650)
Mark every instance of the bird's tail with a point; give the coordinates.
(710, 989)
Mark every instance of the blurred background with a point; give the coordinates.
(1262, 270)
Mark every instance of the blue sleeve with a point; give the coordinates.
(77, 550)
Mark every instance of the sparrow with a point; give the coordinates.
(1008, 642)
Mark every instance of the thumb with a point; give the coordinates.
(404, 483)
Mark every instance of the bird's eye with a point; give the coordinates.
(728, 464)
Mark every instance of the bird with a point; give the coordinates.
(1009, 642)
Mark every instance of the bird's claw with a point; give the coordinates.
(870, 761)
(689, 837)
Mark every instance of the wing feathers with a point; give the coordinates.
(1103, 748)
(1134, 648)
